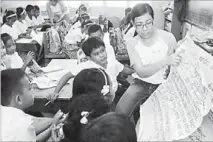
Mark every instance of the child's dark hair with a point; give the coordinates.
(94, 28)
(141, 9)
(36, 7)
(92, 43)
(94, 104)
(29, 8)
(9, 14)
(111, 127)
(89, 81)
(10, 83)
(86, 23)
(5, 37)
(19, 11)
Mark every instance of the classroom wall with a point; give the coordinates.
(12, 4)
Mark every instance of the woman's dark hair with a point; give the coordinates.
(19, 11)
(92, 43)
(128, 21)
(29, 8)
(141, 9)
(89, 81)
(96, 105)
(110, 127)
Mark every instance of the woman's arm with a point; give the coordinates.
(145, 71)
(49, 12)
(63, 7)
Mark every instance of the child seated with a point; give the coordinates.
(15, 99)
(15, 60)
(82, 110)
(30, 18)
(96, 30)
(110, 127)
(94, 48)
(5, 62)
(39, 19)
(92, 81)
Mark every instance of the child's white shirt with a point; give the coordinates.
(16, 61)
(10, 30)
(30, 22)
(39, 20)
(113, 69)
(16, 125)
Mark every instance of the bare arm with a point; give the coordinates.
(142, 70)
(41, 124)
(128, 71)
(49, 12)
(45, 135)
(63, 81)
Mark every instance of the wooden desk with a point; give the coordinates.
(25, 47)
(65, 95)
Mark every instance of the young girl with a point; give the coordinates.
(94, 81)
(110, 127)
(7, 27)
(30, 18)
(39, 19)
(82, 110)
(20, 24)
(5, 62)
(15, 59)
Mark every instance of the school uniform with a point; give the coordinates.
(16, 61)
(21, 27)
(10, 30)
(30, 22)
(39, 20)
(113, 69)
(16, 125)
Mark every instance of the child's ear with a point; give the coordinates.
(18, 99)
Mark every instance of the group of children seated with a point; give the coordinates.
(89, 116)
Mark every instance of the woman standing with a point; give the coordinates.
(151, 52)
(57, 11)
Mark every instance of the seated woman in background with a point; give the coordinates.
(57, 11)
(15, 60)
(82, 110)
(110, 127)
(151, 53)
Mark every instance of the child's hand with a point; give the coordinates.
(30, 56)
(59, 117)
(52, 96)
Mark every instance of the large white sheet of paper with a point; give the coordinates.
(55, 70)
(176, 109)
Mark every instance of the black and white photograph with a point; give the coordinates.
(106, 71)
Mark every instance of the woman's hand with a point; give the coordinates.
(175, 58)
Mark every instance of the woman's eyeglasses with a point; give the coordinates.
(140, 25)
